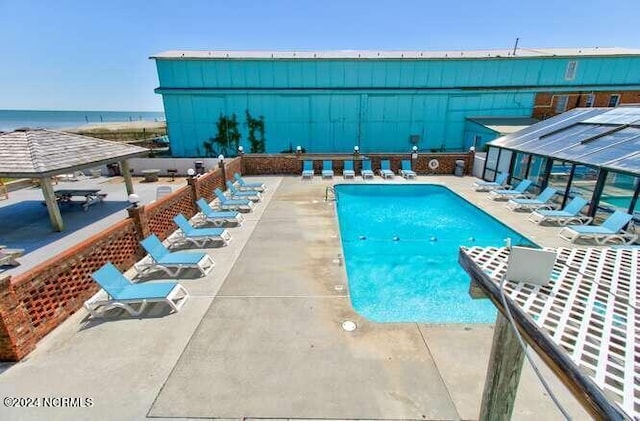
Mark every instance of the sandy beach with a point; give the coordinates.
(117, 126)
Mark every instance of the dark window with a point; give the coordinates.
(614, 100)
(591, 98)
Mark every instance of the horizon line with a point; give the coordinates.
(61, 110)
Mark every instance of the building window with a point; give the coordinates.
(561, 103)
(614, 100)
(570, 73)
(591, 98)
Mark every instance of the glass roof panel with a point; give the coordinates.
(606, 156)
(573, 135)
(533, 132)
(599, 137)
(629, 163)
(622, 115)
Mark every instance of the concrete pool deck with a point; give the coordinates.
(260, 337)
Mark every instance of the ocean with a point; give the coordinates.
(14, 119)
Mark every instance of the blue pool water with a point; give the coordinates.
(401, 244)
(622, 202)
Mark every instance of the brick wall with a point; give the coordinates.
(160, 214)
(287, 164)
(277, 164)
(35, 302)
(545, 103)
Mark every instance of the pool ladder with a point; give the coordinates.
(330, 194)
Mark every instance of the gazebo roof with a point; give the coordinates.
(43, 153)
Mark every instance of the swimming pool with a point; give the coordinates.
(400, 245)
(622, 202)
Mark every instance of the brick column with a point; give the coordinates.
(223, 167)
(193, 183)
(16, 333)
(139, 217)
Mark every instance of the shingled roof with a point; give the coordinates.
(42, 153)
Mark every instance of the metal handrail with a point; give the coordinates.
(333, 197)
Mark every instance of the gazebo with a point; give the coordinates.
(43, 154)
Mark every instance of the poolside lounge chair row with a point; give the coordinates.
(124, 294)
(348, 169)
(544, 210)
(575, 224)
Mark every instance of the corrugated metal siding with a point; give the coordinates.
(330, 106)
(335, 122)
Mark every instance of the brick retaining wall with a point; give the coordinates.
(291, 164)
(35, 302)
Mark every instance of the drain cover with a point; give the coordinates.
(349, 326)
(338, 287)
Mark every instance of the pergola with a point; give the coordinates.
(43, 154)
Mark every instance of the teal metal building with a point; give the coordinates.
(382, 101)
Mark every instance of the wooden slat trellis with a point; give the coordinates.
(589, 310)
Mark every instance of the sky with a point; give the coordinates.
(94, 55)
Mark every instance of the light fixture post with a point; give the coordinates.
(223, 170)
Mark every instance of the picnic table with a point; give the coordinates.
(8, 256)
(150, 175)
(90, 196)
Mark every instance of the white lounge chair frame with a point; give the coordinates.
(97, 305)
(535, 203)
(149, 264)
(539, 218)
(198, 236)
(217, 221)
(601, 234)
(327, 172)
(348, 172)
(515, 192)
(482, 185)
(562, 217)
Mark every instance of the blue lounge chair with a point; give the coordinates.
(252, 195)
(611, 230)
(243, 185)
(385, 169)
(366, 169)
(163, 259)
(327, 169)
(569, 215)
(233, 204)
(218, 218)
(406, 171)
(307, 169)
(515, 193)
(347, 171)
(198, 236)
(122, 293)
(501, 181)
(540, 202)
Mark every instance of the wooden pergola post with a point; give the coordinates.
(503, 373)
(52, 204)
(128, 181)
